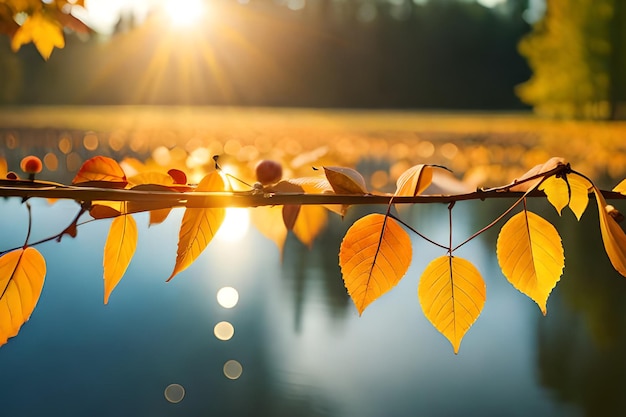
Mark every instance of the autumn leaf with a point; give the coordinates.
(118, 251)
(579, 198)
(199, 225)
(319, 185)
(151, 177)
(547, 166)
(44, 32)
(22, 274)
(613, 235)
(151, 181)
(375, 254)
(269, 221)
(414, 180)
(312, 185)
(557, 192)
(105, 209)
(345, 180)
(290, 215)
(310, 222)
(531, 256)
(101, 170)
(452, 295)
(621, 187)
(3, 168)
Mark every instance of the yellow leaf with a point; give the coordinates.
(579, 198)
(621, 187)
(3, 168)
(45, 33)
(100, 169)
(375, 254)
(310, 222)
(22, 274)
(612, 235)
(452, 295)
(530, 255)
(118, 251)
(319, 185)
(345, 180)
(414, 180)
(549, 165)
(313, 185)
(557, 191)
(150, 177)
(199, 225)
(269, 221)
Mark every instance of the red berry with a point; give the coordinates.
(268, 172)
(12, 176)
(178, 176)
(31, 164)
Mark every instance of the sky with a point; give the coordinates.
(102, 15)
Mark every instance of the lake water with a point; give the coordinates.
(299, 347)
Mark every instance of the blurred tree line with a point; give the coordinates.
(578, 57)
(448, 54)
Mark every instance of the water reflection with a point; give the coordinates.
(581, 343)
(228, 297)
(174, 393)
(305, 350)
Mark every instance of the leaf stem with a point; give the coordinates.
(412, 229)
(30, 224)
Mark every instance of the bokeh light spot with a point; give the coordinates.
(51, 161)
(174, 393)
(91, 142)
(65, 145)
(224, 330)
(233, 369)
(227, 297)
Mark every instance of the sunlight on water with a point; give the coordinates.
(235, 225)
(224, 330)
(227, 297)
(174, 393)
(233, 369)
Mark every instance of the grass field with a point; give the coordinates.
(482, 149)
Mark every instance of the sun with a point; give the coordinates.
(184, 13)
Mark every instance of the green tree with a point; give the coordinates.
(570, 52)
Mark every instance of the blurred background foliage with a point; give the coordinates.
(563, 58)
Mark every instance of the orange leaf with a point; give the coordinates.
(612, 235)
(269, 221)
(105, 209)
(310, 222)
(22, 274)
(118, 251)
(414, 180)
(100, 169)
(158, 216)
(452, 294)
(199, 225)
(345, 180)
(375, 254)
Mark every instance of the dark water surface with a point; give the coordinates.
(299, 347)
